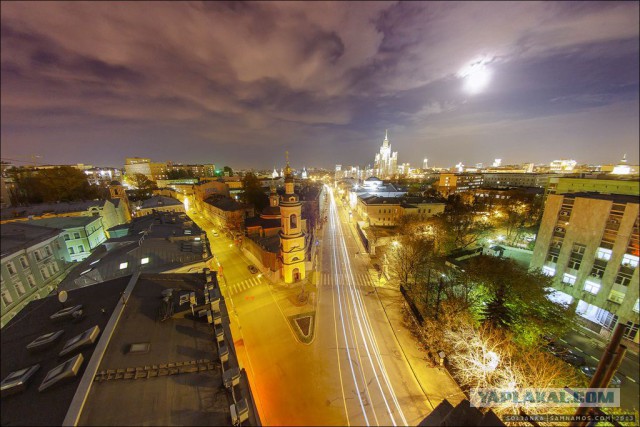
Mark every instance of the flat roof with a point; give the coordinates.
(65, 222)
(15, 236)
(183, 399)
(49, 407)
(159, 201)
(617, 198)
(42, 208)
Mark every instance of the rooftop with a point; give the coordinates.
(32, 322)
(16, 236)
(224, 203)
(616, 198)
(157, 201)
(64, 223)
(43, 208)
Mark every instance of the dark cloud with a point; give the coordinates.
(241, 82)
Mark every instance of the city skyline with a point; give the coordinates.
(195, 82)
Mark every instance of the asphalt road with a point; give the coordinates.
(592, 349)
(353, 373)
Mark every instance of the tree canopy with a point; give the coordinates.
(59, 184)
(253, 192)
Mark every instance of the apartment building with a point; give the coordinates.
(589, 243)
(516, 179)
(32, 264)
(152, 170)
(387, 211)
(455, 183)
(81, 234)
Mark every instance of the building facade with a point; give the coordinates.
(589, 243)
(386, 161)
(456, 183)
(387, 211)
(81, 234)
(540, 180)
(152, 170)
(32, 265)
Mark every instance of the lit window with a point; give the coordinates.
(604, 254)
(636, 307)
(549, 271)
(616, 296)
(569, 279)
(123, 265)
(591, 287)
(629, 260)
(144, 260)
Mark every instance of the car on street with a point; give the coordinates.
(589, 371)
(214, 233)
(565, 354)
(253, 269)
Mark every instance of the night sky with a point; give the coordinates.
(240, 83)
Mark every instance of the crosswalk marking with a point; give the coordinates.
(243, 285)
(360, 280)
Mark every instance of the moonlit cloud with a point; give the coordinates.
(241, 82)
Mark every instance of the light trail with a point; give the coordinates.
(344, 332)
(361, 331)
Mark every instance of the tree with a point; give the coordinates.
(141, 182)
(253, 192)
(180, 174)
(517, 299)
(228, 170)
(58, 184)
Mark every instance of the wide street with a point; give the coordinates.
(353, 373)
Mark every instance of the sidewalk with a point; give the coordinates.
(436, 382)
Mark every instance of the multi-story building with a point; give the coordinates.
(102, 175)
(455, 183)
(158, 204)
(562, 185)
(112, 212)
(82, 234)
(387, 211)
(195, 170)
(589, 243)
(32, 261)
(226, 213)
(152, 170)
(516, 179)
(562, 166)
(293, 249)
(386, 161)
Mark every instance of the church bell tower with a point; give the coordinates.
(292, 237)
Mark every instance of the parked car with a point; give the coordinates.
(214, 233)
(253, 269)
(565, 354)
(589, 371)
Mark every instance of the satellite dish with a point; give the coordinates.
(62, 296)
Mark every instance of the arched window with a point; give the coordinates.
(293, 221)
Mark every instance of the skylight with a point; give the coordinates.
(65, 371)
(86, 338)
(45, 340)
(17, 381)
(65, 312)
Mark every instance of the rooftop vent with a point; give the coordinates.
(140, 347)
(63, 372)
(86, 338)
(44, 341)
(231, 377)
(239, 412)
(17, 381)
(65, 312)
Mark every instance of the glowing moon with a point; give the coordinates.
(476, 77)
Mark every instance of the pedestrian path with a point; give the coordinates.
(360, 280)
(242, 286)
